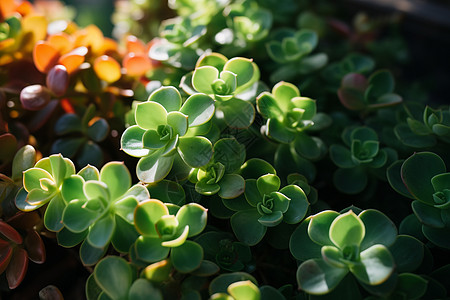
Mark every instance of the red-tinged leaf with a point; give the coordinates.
(5, 255)
(58, 80)
(45, 56)
(34, 97)
(24, 220)
(35, 247)
(73, 59)
(17, 268)
(8, 148)
(10, 233)
(134, 45)
(136, 64)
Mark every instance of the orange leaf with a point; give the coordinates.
(7, 7)
(61, 41)
(134, 45)
(136, 64)
(107, 68)
(45, 56)
(73, 59)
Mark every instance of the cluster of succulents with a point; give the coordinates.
(238, 150)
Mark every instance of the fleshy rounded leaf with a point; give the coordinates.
(114, 275)
(199, 108)
(317, 277)
(194, 216)
(187, 257)
(347, 230)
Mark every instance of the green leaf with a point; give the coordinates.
(96, 189)
(377, 264)
(317, 277)
(72, 188)
(298, 204)
(251, 192)
(68, 239)
(441, 182)
(125, 208)
(23, 160)
(168, 192)
(195, 151)
(271, 220)
(53, 214)
(113, 274)
(152, 140)
(237, 113)
(158, 272)
(427, 214)
(68, 123)
(117, 178)
(147, 214)
(199, 108)
(268, 183)
(187, 257)
(341, 156)
(131, 141)
(230, 153)
(178, 121)
(76, 218)
(408, 253)
(380, 83)
(393, 174)
(168, 97)
(89, 173)
(90, 255)
(379, 229)
(306, 104)
(306, 40)
(99, 130)
(124, 235)
(93, 291)
(409, 138)
(244, 290)
(347, 230)
(32, 178)
(149, 115)
(231, 186)
(101, 232)
(154, 168)
(350, 181)
(309, 147)
(194, 216)
(275, 51)
(283, 93)
(150, 249)
(255, 168)
(417, 172)
(320, 225)
(242, 67)
(142, 289)
(268, 107)
(438, 236)
(221, 283)
(203, 78)
(279, 132)
(247, 228)
(333, 256)
(230, 80)
(411, 285)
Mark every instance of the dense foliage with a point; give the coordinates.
(251, 149)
